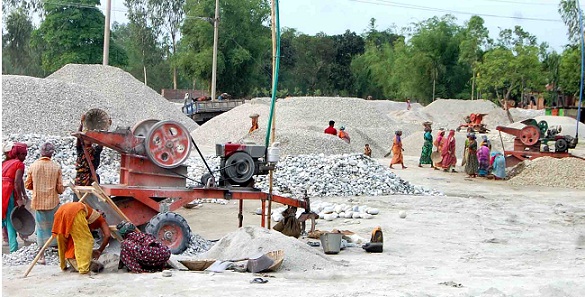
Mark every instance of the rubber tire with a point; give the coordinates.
(170, 218)
(231, 172)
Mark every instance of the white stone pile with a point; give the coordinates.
(197, 245)
(337, 175)
(26, 254)
(54, 105)
(330, 211)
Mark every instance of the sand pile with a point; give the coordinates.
(248, 241)
(551, 172)
(300, 122)
(450, 113)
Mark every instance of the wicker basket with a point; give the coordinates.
(197, 265)
(277, 257)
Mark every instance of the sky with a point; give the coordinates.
(539, 17)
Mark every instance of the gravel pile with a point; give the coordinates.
(450, 113)
(300, 122)
(250, 240)
(54, 105)
(197, 245)
(330, 211)
(551, 172)
(26, 254)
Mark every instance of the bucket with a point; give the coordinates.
(23, 221)
(331, 242)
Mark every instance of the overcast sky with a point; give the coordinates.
(539, 17)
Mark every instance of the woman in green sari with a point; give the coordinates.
(427, 149)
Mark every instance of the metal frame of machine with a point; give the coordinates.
(153, 179)
(528, 141)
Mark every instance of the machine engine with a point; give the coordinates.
(240, 162)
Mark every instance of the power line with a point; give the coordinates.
(524, 3)
(433, 9)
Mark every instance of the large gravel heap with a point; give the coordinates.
(300, 123)
(551, 172)
(54, 105)
(248, 241)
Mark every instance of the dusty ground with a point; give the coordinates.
(483, 238)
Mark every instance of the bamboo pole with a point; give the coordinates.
(272, 13)
(41, 251)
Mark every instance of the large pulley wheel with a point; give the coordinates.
(168, 144)
(141, 128)
(561, 146)
(171, 229)
(239, 168)
(529, 135)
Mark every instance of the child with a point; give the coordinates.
(368, 150)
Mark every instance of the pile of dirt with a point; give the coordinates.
(250, 240)
(550, 172)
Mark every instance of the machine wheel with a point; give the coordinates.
(239, 168)
(171, 229)
(141, 128)
(561, 146)
(168, 144)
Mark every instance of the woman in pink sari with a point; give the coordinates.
(439, 140)
(448, 152)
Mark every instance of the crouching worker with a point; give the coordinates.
(141, 252)
(71, 226)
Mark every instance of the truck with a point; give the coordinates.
(202, 111)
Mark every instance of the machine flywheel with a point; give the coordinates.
(168, 144)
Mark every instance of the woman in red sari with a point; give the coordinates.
(448, 152)
(439, 141)
(13, 193)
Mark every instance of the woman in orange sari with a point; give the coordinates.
(439, 140)
(397, 149)
(448, 152)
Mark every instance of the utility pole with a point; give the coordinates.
(214, 66)
(107, 33)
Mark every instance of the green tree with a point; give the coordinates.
(244, 39)
(73, 33)
(346, 47)
(143, 34)
(313, 67)
(18, 56)
(570, 14)
(475, 41)
(570, 70)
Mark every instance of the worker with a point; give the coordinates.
(13, 192)
(46, 182)
(498, 165)
(483, 155)
(427, 149)
(83, 175)
(408, 106)
(449, 160)
(188, 104)
(397, 157)
(331, 130)
(344, 135)
(141, 252)
(368, 150)
(6, 150)
(254, 118)
(485, 139)
(439, 145)
(471, 163)
(71, 226)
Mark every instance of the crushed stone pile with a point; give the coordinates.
(300, 122)
(329, 211)
(550, 172)
(337, 175)
(250, 240)
(450, 113)
(26, 254)
(54, 105)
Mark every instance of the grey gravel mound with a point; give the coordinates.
(300, 122)
(133, 101)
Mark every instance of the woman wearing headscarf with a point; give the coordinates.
(498, 163)
(448, 152)
(397, 149)
(439, 145)
(427, 149)
(471, 164)
(483, 155)
(13, 193)
(71, 225)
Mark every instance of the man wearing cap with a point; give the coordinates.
(141, 252)
(72, 225)
(331, 130)
(13, 192)
(45, 180)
